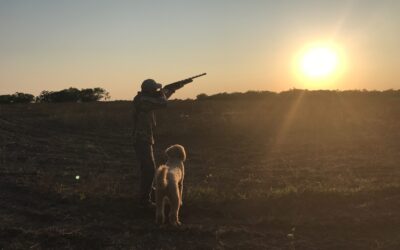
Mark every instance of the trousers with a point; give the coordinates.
(145, 156)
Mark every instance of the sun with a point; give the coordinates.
(320, 65)
(319, 62)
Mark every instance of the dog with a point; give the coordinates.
(169, 185)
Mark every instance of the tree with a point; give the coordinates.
(74, 95)
(201, 96)
(16, 98)
(5, 99)
(91, 95)
(22, 98)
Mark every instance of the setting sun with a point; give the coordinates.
(319, 62)
(320, 65)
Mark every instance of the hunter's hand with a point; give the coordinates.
(166, 93)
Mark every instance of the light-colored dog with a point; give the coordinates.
(169, 185)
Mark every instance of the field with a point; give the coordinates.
(295, 170)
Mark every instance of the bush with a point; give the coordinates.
(91, 95)
(16, 98)
(73, 95)
(201, 96)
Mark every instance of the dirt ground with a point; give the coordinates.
(312, 171)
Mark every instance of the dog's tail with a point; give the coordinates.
(161, 177)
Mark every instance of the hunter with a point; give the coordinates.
(150, 98)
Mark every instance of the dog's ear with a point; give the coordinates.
(176, 152)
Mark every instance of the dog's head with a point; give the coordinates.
(176, 152)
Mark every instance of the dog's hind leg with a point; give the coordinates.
(174, 199)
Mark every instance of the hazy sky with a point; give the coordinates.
(242, 45)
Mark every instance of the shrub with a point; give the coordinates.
(16, 98)
(73, 95)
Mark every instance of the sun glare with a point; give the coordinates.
(319, 65)
(319, 62)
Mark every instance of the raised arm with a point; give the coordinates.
(151, 103)
(167, 92)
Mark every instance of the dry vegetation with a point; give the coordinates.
(296, 170)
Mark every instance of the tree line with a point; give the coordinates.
(257, 95)
(65, 95)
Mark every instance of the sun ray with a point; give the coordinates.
(282, 132)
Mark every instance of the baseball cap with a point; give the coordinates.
(150, 85)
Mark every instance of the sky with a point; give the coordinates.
(242, 45)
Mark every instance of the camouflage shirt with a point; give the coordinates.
(144, 118)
